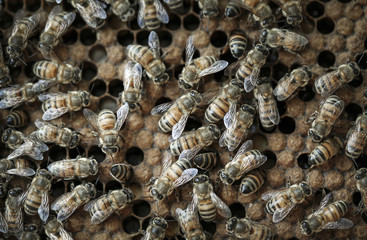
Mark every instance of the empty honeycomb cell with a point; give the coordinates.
(33, 5)
(307, 25)
(357, 81)
(88, 36)
(70, 37)
(191, 22)
(306, 94)
(141, 209)
(165, 38)
(97, 87)
(192, 124)
(286, 159)
(131, 225)
(271, 160)
(275, 177)
(125, 37)
(279, 70)
(302, 161)
(28, 70)
(276, 142)
(265, 72)
(352, 110)
(58, 188)
(15, 72)
(209, 227)
(361, 59)
(227, 56)
(107, 103)
(113, 185)
(89, 71)
(174, 22)
(114, 22)
(134, 156)
(144, 139)
(260, 142)
(237, 210)
(333, 179)
(361, 161)
(218, 39)
(78, 151)
(326, 59)
(6, 20)
(57, 153)
(344, 1)
(15, 5)
(97, 154)
(287, 125)
(115, 87)
(78, 21)
(142, 37)
(325, 25)
(97, 53)
(315, 9)
(282, 107)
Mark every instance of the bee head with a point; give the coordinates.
(156, 195)
(86, 98)
(74, 140)
(161, 222)
(306, 188)
(210, 12)
(294, 20)
(110, 149)
(15, 192)
(249, 109)
(129, 195)
(225, 178)
(316, 137)
(361, 173)
(3, 190)
(31, 228)
(93, 167)
(45, 173)
(305, 228)
(237, 83)
(92, 190)
(161, 79)
(5, 81)
(266, 22)
(201, 179)
(263, 49)
(230, 12)
(183, 84)
(354, 67)
(77, 75)
(14, 52)
(197, 96)
(6, 135)
(215, 130)
(308, 72)
(231, 225)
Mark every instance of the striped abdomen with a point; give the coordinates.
(206, 161)
(324, 151)
(204, 62)
(17, 118)
(121, 172)
(46, 69)
(102, 208)
(175, 4)
(143, 55)
(245, 70)
(265, 113)
(235, 134)
(56, 102)
(32, 201)
(261, 232)
(188, 141)
(355, 144)
(278, 202)
(150, 16)
(232, 10)
(331, 109)
(250, 156)
(328, 83)
(175, 171)
(207, 209)
(333, 212)
(169, 119)
(253, 181)
(217, 109)
(237, 43)
(14, 219)
(294, 42)
(106, 119)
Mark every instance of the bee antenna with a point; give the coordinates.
(22, 61)
(360, 58)
(34, 54)
(97, 179)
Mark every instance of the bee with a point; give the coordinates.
(361, 181)
(91, 11)
(328, 216)
(206, 161)
(53, 1)
(79, 167)
(35, 199)
(17, 119)
(177, 113)
(249, 67)
(14, 96)
(267, 105)
(233, 9)
(246, 229)
(237, 43)
(325, 150)
(356, 137)
(53, 73)
(244, 161)
(121, 172)
(22, 28)
(287, 86)
(190, 143)
(156, 229)
(100, 209)
(209, 8)
(55, 230)
(239, 128)
(290, 41)
(206, 201)
(57, 24)
(56, 104)
(23, 145)
(332, 81)
(292, 11)
(122, 9)
(175, 5)
(107, 126)
(280, 203)
(5, 78)
(133, 85)
(66, 204)
(4, 182)
(188, 220)
(18, 166)
(30, 232)
(151, 14)
(150, 59)
(194, 70)
(12, 223)
(172, 176)
(322, 122)
(252, 181)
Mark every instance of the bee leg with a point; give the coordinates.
(177, 195)
(71, 116)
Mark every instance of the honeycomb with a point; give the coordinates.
(336, 32)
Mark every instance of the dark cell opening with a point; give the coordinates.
(267, 130)
(28, 70)
(325, 25)
(78, 151)
(178, 70)
(165, 38)
(78, 22)
(282, 22)
(141, 209)
(15, 72)
(325, 1)
(218, 39)
(57, 153)
(115, 87)
(227, 56)
(125, 37)
(134, 156)
(192, 124)
(99, 187)
(97, 88)
(295, 66)
(107, 103)
(96, 153)
(361, 59)
(138, 237)
(58, 188)
(344, 1)
(185, 9)
(353, 110)
(196, 55)
(33, 5)
(219, 76)
(70, 37)
(209, 227)
(89, 71)
(292, 239)
(174, 22)
(88, 36)
(162, 100)
(357, 81)
(114, 22)
(279, 70)
(142, 37)
(302, 161)
(133, 24)
(287, 125)
(67, 6)
(98, 53)
(271, 161)
(364, 216)
(145, 224)
(356, 198)
(315, 9)
(265, 72)
(196, 7)
(326, 59)
(361, 161)
(131, 225)
(191, 22)
(320, 194)
(365, 44)
(273, 56)
(110, 186)
(15, 5)
(238, 210)
(306, 94)
(6, 20)
(282, 107)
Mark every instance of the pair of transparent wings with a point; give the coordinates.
(18, 219)
(53, 113)
(90, 11)
(11, 96)
(269, 109)
(68, 19)
(287, 81)
(99, 215)
(24, 172)
(32, 148)
(133, 73)
(63, 234)
(43, 209)
(32, 23)
(249, 81)
(162, 14)
(330, 76)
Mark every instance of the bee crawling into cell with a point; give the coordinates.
(325, 150)
(361, 182)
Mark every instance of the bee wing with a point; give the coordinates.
(166, 161)
(272, 193)
(52, 236)
(64, 234)
(185, 177)
(190, 49)
(222, 208)
(215, 67)
(91, 118)
(19, 15)
(122, 113)
(68, 19)
(2, 63)
(324, 202)
(140, 19)
(58, 1)
(283, 83)
(354, 138)
(153, 42)
(162, 14)
(274, 113)
(244, 148)
(190, 153)
(61, 201)
(281, 213)
(98, 217)
(133, 71)
(3, 224)
(10, 102)
(246, 163)
(161, 108)
(179, 126)
(66, 211)
(209, 96)
(179, 214)
(222, 138)
(22, 197)
(26, 149)
(230, 115)
(53, 113)
(45, 96)
(90, 204)
(43, 210)
(194, 203)
(231, 69)
(250, 81)
(43, 85)
(24, 172)
(97, 8)
(342, 223)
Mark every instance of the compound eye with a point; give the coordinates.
(196, 180)
(160, 197)
(230, 181)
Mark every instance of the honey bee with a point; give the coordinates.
(107, 126)
(239, 128)
(280, 203)
(332, 81)
(23, 145)
(55, 230)
(5, 78)
(253, 181)
(4, 182)
(50, 133)
(188, 220)
(246, 229)
(57, 24)
(56, 104)
(91, 11)
(322, 122)
(177, 113)
(12, 223)
(18, 166)
(292, 11)
(290, 82)
(100, 209)
(175, 5)
(35, 199)
(17, 119)
(14, 96)
(53, 73)
(30, 232)
(53, 1)
(133, 85)
(249, 67)
(150, 59)
(151, 14)
(122, 9)
(22, 28)
(356, 137)
(190, 143)
(66, 204)
(361, 181)
(194, 70)
(206, 201)
(290, 41)
(328, 216)
(325, 150)
(156, 229)
(79, 167)
(233, 9)
(237, 43)
(267, 105)
(209, 8)
(244, 161)
(206, 161)
(121, 172)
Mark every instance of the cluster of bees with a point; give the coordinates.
(220, 104)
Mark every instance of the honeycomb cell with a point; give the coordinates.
(325, 25)
(302, 161)
(97, 87)
(142, 37)
(191, 22)
(15, 5)
(125, 37)
(315, 9)
(97, 154)
(78, 22)
(115, 87)
(131, 225)
(6, 20)
(361, 59)
(271, 160)
(165, 38)
(58, 188)
(70, 37)
(174, 22)
(88, 37)
(218, 39)
(287, 125)
(78, 151)
(326, 59)
(107, 103)
(134, 156)
(141, 209)
(344, 1)
(279, 70)
(282, 107)
(353, 110)
(357, 81)
(209, 227)
(114, 22)
(110, 186)
(237, 210)
(57, 153)
(97, 53)
(33, 5)
(306, 94)
(89, 71)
